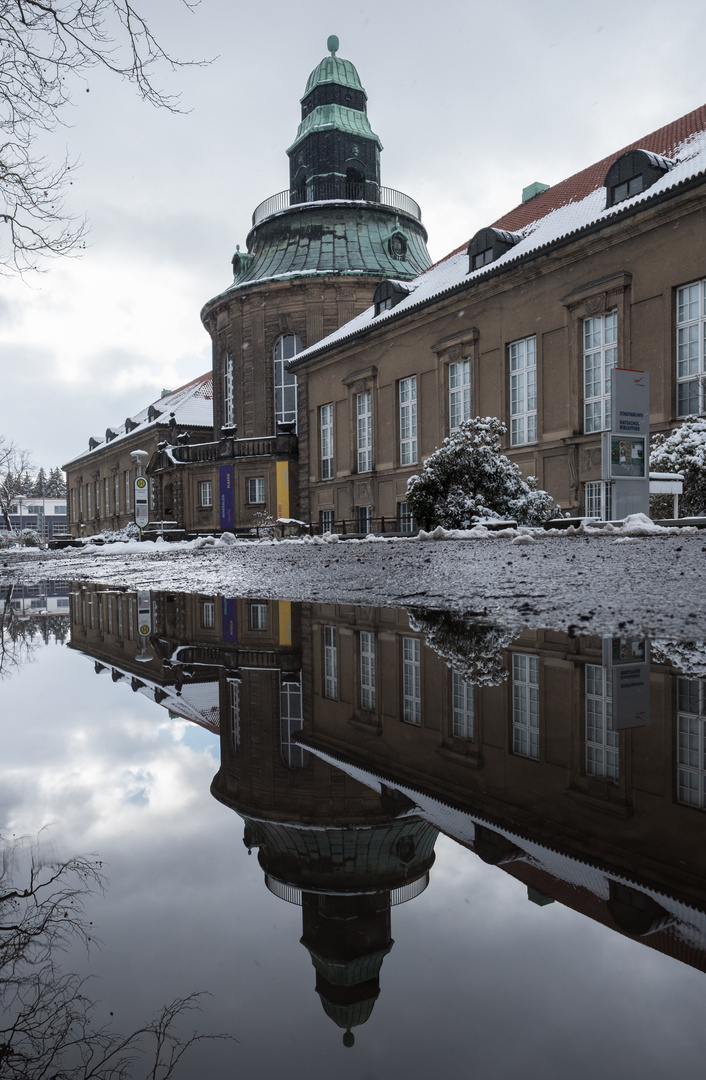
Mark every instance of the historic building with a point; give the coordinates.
(100, 482)
(313, 259)
(525, 323)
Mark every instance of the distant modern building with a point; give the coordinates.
(44, 515)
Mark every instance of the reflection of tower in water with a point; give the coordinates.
(344, 854)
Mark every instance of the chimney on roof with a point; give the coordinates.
(165, 393)
(533, 189)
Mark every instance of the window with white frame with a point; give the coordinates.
(88, 500)
(256, 489)
(208, 614)
(130, 619)
(80, 498)
(326, 440)
(119, 601)
(364, 519)
(228, 411)
(404, 518)
(459, 393)
(98, 498)
(109, 602)
(330, 663)
(326, 520)
(206, 493)
(152, 492)
(408, 420)
(525, 705)
(286, 347)
(602, 741)
(523, 391)
(691, 349)
(116, 494)
(411, 681)
(234, 710)
(691, 742)
(598, 501)
(291, 721)
(106, 491)
(258, 616)
(462, 714)
(73, 504)
(364, 430)
(600, 356)
(127, 491)
(367, 670)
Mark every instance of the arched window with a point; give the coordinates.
(355, 184)
(285, 348)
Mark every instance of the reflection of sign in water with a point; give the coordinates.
(144, 613)
(225, 485)
(229, 621)
(628, 651)
(630, 677)
(627, 456)
(142, 510)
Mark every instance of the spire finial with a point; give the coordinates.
(332, 44)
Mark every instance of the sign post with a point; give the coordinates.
(141, 491)
(628, 663)
(625, 448)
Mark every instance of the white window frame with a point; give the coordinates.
(367, 670)
(285, 348)
(600, 356)
(106, 492)
(206, 493)
(291, 721)
(88, 500)
(407, 393)
(364, 430)
(127, 491)
(525, 705)
(462, 707)
(411, 681)
(602, 741)
(326, 520)
(234, 710)
(459, 393)
(98, 498)
(258, 616)
(326, 440)
(228, 409)
(208, 614)
(405, 519)
(691, 742)
(691, 348)
(364, 519)
(522, 357)
(256, 488)
(598, 500)
(152, 492)
(330, 663)
(116, 492)
(73, 504)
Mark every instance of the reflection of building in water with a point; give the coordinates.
(586, 799)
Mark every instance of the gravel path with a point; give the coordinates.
(653, 585)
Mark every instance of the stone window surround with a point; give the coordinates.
(450, 350)
(358, 382)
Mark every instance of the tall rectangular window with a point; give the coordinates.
(228, 413)
(80, 499)
(411, 681)
(98, 498)
(364, 519)
(234, 703)
(116, 494)
(206, 493)
(256, 489)
(523, 391)
(600, 356)
(602, 741)
(326, 437)
(367, 670)
(459, 393)
(208, 614)
(88, 500)
(106, 492)
(364, 429)
(258, 616)
(408, 420)
(598, 500)
(525, 705)
(152, 492)
(330, 663)
(405, 521)
(691, 349)
(691, 742)
(127, 491)
(73, 504)
(462, 722)
(326, 520)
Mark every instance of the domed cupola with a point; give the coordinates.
(336, 154)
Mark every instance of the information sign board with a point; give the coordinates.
(142, 507)
(630, 402)
(144, 613)
(627, 456)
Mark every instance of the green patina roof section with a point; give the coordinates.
(335, 118)
(333, 69)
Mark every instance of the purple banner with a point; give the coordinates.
(225, 485)
(229, 622)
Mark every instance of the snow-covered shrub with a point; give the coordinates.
(5, 540)
(684, 451)
(30, 538)
(468, 479)
(688, 657)
(473, 650)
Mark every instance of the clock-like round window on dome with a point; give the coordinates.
(398, 246)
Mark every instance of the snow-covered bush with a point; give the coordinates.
(30, 538)
(684, 451)
(474, 651)
(468, 479)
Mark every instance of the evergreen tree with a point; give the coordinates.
(41, 483)
(56, 485)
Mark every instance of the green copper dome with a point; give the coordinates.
(333, 69)
(335, 118)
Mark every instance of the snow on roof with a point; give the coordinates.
(563, 210)
(192, 405)
(197, 702)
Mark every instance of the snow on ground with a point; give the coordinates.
(655, 585)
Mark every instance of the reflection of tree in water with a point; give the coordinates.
(473, 650)
(689, 657)
(20, 636)
(48, 1024)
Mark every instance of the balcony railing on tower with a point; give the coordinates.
(339, 189)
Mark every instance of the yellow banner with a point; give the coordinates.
(282, 489)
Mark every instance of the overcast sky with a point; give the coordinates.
(472, 103)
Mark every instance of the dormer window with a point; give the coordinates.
(633, 172)
(388, 294)
(488, 245)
